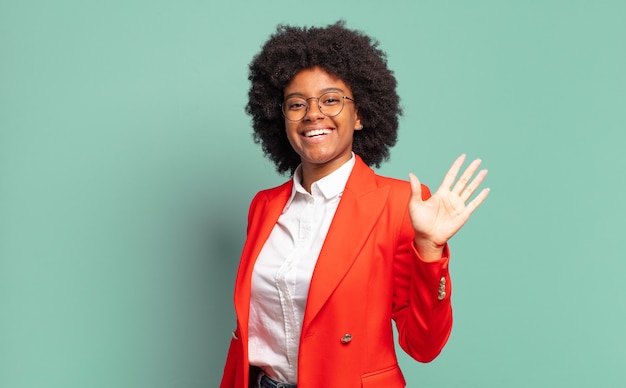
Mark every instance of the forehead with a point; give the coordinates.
(315, 81)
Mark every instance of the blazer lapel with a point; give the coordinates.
(260, 226)
(360, 207)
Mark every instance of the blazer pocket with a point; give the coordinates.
(389, 378)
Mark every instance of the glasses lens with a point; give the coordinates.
(330, 104)
(295, 108)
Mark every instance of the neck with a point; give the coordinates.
(313, 173)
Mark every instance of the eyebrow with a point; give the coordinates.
(325, 90)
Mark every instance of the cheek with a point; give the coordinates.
(291, 132)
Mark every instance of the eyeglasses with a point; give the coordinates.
(330, 104)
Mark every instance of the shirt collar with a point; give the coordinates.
(328, 187)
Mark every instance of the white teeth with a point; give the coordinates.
(317, 132)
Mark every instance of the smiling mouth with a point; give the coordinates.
(317, 132)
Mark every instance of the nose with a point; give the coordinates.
(313, 111)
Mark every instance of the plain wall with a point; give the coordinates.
(127, 166)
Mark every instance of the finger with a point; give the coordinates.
(416, 188)
(467, 193)
(476, 202)
(466, 176)
(450, 176)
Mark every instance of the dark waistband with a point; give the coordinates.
(267, 382)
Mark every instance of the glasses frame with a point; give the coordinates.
(343, 104)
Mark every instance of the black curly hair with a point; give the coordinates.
(347, 54)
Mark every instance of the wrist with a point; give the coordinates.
(429, 250)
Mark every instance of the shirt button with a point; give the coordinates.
(346, 338)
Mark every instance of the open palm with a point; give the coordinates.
(438, 218)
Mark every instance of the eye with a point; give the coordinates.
(330, 99)
(295, 104)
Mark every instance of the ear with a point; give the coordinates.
(358, 125)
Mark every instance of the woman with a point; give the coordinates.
(336, 253)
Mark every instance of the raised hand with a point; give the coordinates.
(438, 218)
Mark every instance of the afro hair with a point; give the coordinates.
(350, 55)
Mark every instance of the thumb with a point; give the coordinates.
(416, 188)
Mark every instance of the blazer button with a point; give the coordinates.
(346, 338)
(442, 289)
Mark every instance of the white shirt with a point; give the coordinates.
(283, 271)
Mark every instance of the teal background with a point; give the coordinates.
(127, 165)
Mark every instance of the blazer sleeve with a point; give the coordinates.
(421, 297)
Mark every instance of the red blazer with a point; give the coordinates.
(367, 274)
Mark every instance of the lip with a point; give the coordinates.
(316, 132)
